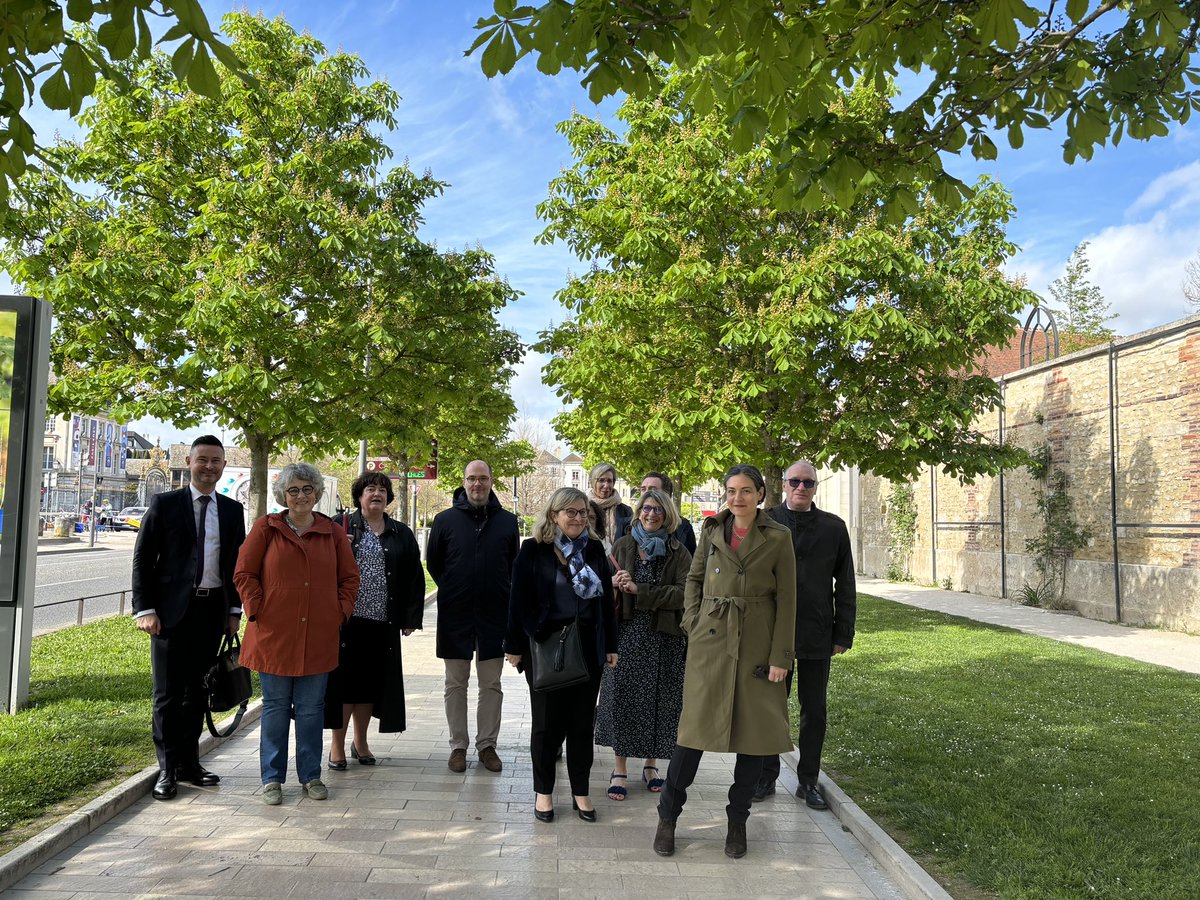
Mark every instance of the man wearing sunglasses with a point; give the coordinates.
(825, 608)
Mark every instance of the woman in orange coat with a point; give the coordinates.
(298, 580)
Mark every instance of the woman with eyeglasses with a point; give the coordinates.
(615, 515)
(560, 576)
(641, 700)
(739, 613)
(298, 581)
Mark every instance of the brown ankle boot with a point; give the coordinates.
(735, 840)
(664, 838)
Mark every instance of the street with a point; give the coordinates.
(68, 575)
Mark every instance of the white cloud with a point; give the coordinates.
(1139, 268)
(1138, 264)
(1177, 190)
(534, 399)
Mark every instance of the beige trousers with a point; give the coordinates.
(491, 699)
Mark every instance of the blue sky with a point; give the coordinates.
(495, 143)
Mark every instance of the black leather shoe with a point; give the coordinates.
(164, 788)
(763, 791)
(197, 775)
(812, 796)
(588, 815)
(543, 816)
(664, 837)
(735, 840)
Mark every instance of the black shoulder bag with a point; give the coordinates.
(557, 660)
(226, 685)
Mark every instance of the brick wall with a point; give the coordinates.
(1065, 403)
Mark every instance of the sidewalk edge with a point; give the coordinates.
(907, 872)
(23, 860)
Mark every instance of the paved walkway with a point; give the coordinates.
(411, 828)
(1163, 648)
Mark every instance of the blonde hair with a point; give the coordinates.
(544, 530)
(665, 503)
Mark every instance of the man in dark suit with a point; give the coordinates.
(184, 598)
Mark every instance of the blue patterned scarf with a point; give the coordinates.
(586, 582)
(652, 543)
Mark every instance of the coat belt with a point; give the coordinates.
(721, 607)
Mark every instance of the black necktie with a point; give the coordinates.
(204, 501)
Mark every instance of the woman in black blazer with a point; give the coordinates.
(561, 574)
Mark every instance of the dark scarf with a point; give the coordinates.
(652, 543)
(584, 580)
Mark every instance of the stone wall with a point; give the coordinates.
(1154, 438)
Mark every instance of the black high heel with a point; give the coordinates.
(337, 765)
(546, 815)
(362, 760)
(588, 815)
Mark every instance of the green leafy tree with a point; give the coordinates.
(462, 399)
(39, 54)
(1080, 309)
(776, 71)
(239, 257)
(713, 329)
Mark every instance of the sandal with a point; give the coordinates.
(653, 785)
(616, 791)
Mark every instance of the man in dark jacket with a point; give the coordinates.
(470, 555)
(184, 598)
(825, 608)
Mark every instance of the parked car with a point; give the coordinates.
(130, 517)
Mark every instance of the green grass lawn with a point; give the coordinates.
(86, 727)
(1018, 766)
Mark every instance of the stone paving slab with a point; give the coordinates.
(411, 828)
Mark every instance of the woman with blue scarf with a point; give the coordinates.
(641, 701)
(561, 576)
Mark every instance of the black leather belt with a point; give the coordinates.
(204, 592)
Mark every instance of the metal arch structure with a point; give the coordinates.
(1035, 326)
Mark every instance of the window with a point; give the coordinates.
(48, 461)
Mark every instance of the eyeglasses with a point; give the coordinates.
(307, 491)
(478, 479)
(573, 513)
(652, 510)
(809, 483)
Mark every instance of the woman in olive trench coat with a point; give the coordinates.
(740, 618)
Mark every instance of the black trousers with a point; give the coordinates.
(570, 714)
(179, 658)
(812, 691)
(682, 772)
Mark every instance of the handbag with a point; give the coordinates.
(558, 660)
(227, 685)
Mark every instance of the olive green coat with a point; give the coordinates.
(739, 613)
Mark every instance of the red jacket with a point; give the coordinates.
(296, 593)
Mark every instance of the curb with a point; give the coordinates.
(913, 880)
(53, 550)
(23, 860)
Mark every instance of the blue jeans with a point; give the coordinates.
(284, 696)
